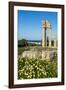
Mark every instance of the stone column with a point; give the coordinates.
(50, 35)
(54, 40)
(43, 37)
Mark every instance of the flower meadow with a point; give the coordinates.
(36, 68)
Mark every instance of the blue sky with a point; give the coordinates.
(30, 24)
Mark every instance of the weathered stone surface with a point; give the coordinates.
(43, 55)
(30, 54)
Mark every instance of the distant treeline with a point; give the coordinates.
(24, 42)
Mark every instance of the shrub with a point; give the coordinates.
(36, 68)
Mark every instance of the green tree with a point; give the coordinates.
(22, 43)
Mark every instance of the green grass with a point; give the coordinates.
(22, 49)
(30, 68)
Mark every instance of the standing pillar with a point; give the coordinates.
(43, 37)
(50, 40)
(54, 40)
(45, 25)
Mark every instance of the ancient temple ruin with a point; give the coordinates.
(46, 25)
(43, 54)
